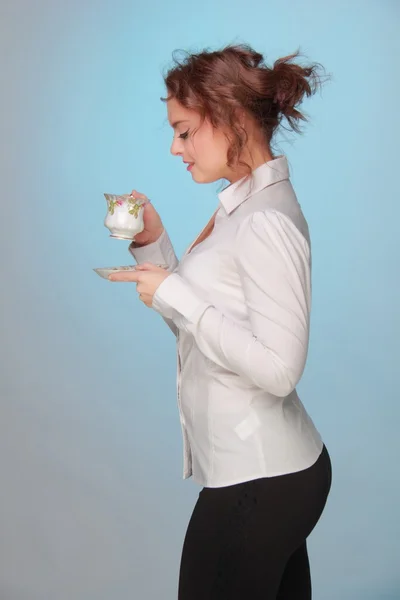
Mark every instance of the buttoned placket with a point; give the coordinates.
(187, 454)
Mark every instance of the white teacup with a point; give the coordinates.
(124, 216)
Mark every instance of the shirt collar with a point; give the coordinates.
(266, 174)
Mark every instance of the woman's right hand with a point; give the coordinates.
(153, 226)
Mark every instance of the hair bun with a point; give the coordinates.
(291, 83)
(283, 93)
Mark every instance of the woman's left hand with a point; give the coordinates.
(147, 277)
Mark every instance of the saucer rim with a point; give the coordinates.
(121, 268)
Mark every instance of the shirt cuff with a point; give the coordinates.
(159, 252)
(174, 295)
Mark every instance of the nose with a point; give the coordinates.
(176, 147)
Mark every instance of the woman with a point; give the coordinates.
(239, 304)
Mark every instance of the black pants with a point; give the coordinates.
(248, 541)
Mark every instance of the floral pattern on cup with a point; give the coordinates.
(134, 206)
(134, 203)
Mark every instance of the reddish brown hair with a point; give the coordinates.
(217, 84)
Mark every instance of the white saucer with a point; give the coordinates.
(105, 272)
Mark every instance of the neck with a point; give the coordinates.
(255, 157)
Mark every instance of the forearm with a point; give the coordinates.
(273, 361)
(160, 251)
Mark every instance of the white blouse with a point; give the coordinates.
(239, 303)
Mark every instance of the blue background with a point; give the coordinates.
(93, 505)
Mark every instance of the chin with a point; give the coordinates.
(204, 177)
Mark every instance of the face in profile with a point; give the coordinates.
(202, 147)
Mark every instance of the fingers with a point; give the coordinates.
(131, 276)
(146, 299)
(136, 275)
(138, 195)
(147, 266)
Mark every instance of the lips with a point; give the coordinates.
(189, 165)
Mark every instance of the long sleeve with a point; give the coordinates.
(273, 262)
(159, 252)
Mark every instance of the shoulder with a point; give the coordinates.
(271, 230)
(278, 199)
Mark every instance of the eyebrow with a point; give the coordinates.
(173, 125)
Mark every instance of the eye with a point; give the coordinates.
(184, 136)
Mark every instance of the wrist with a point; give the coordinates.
(157, 235)
(149, 241)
